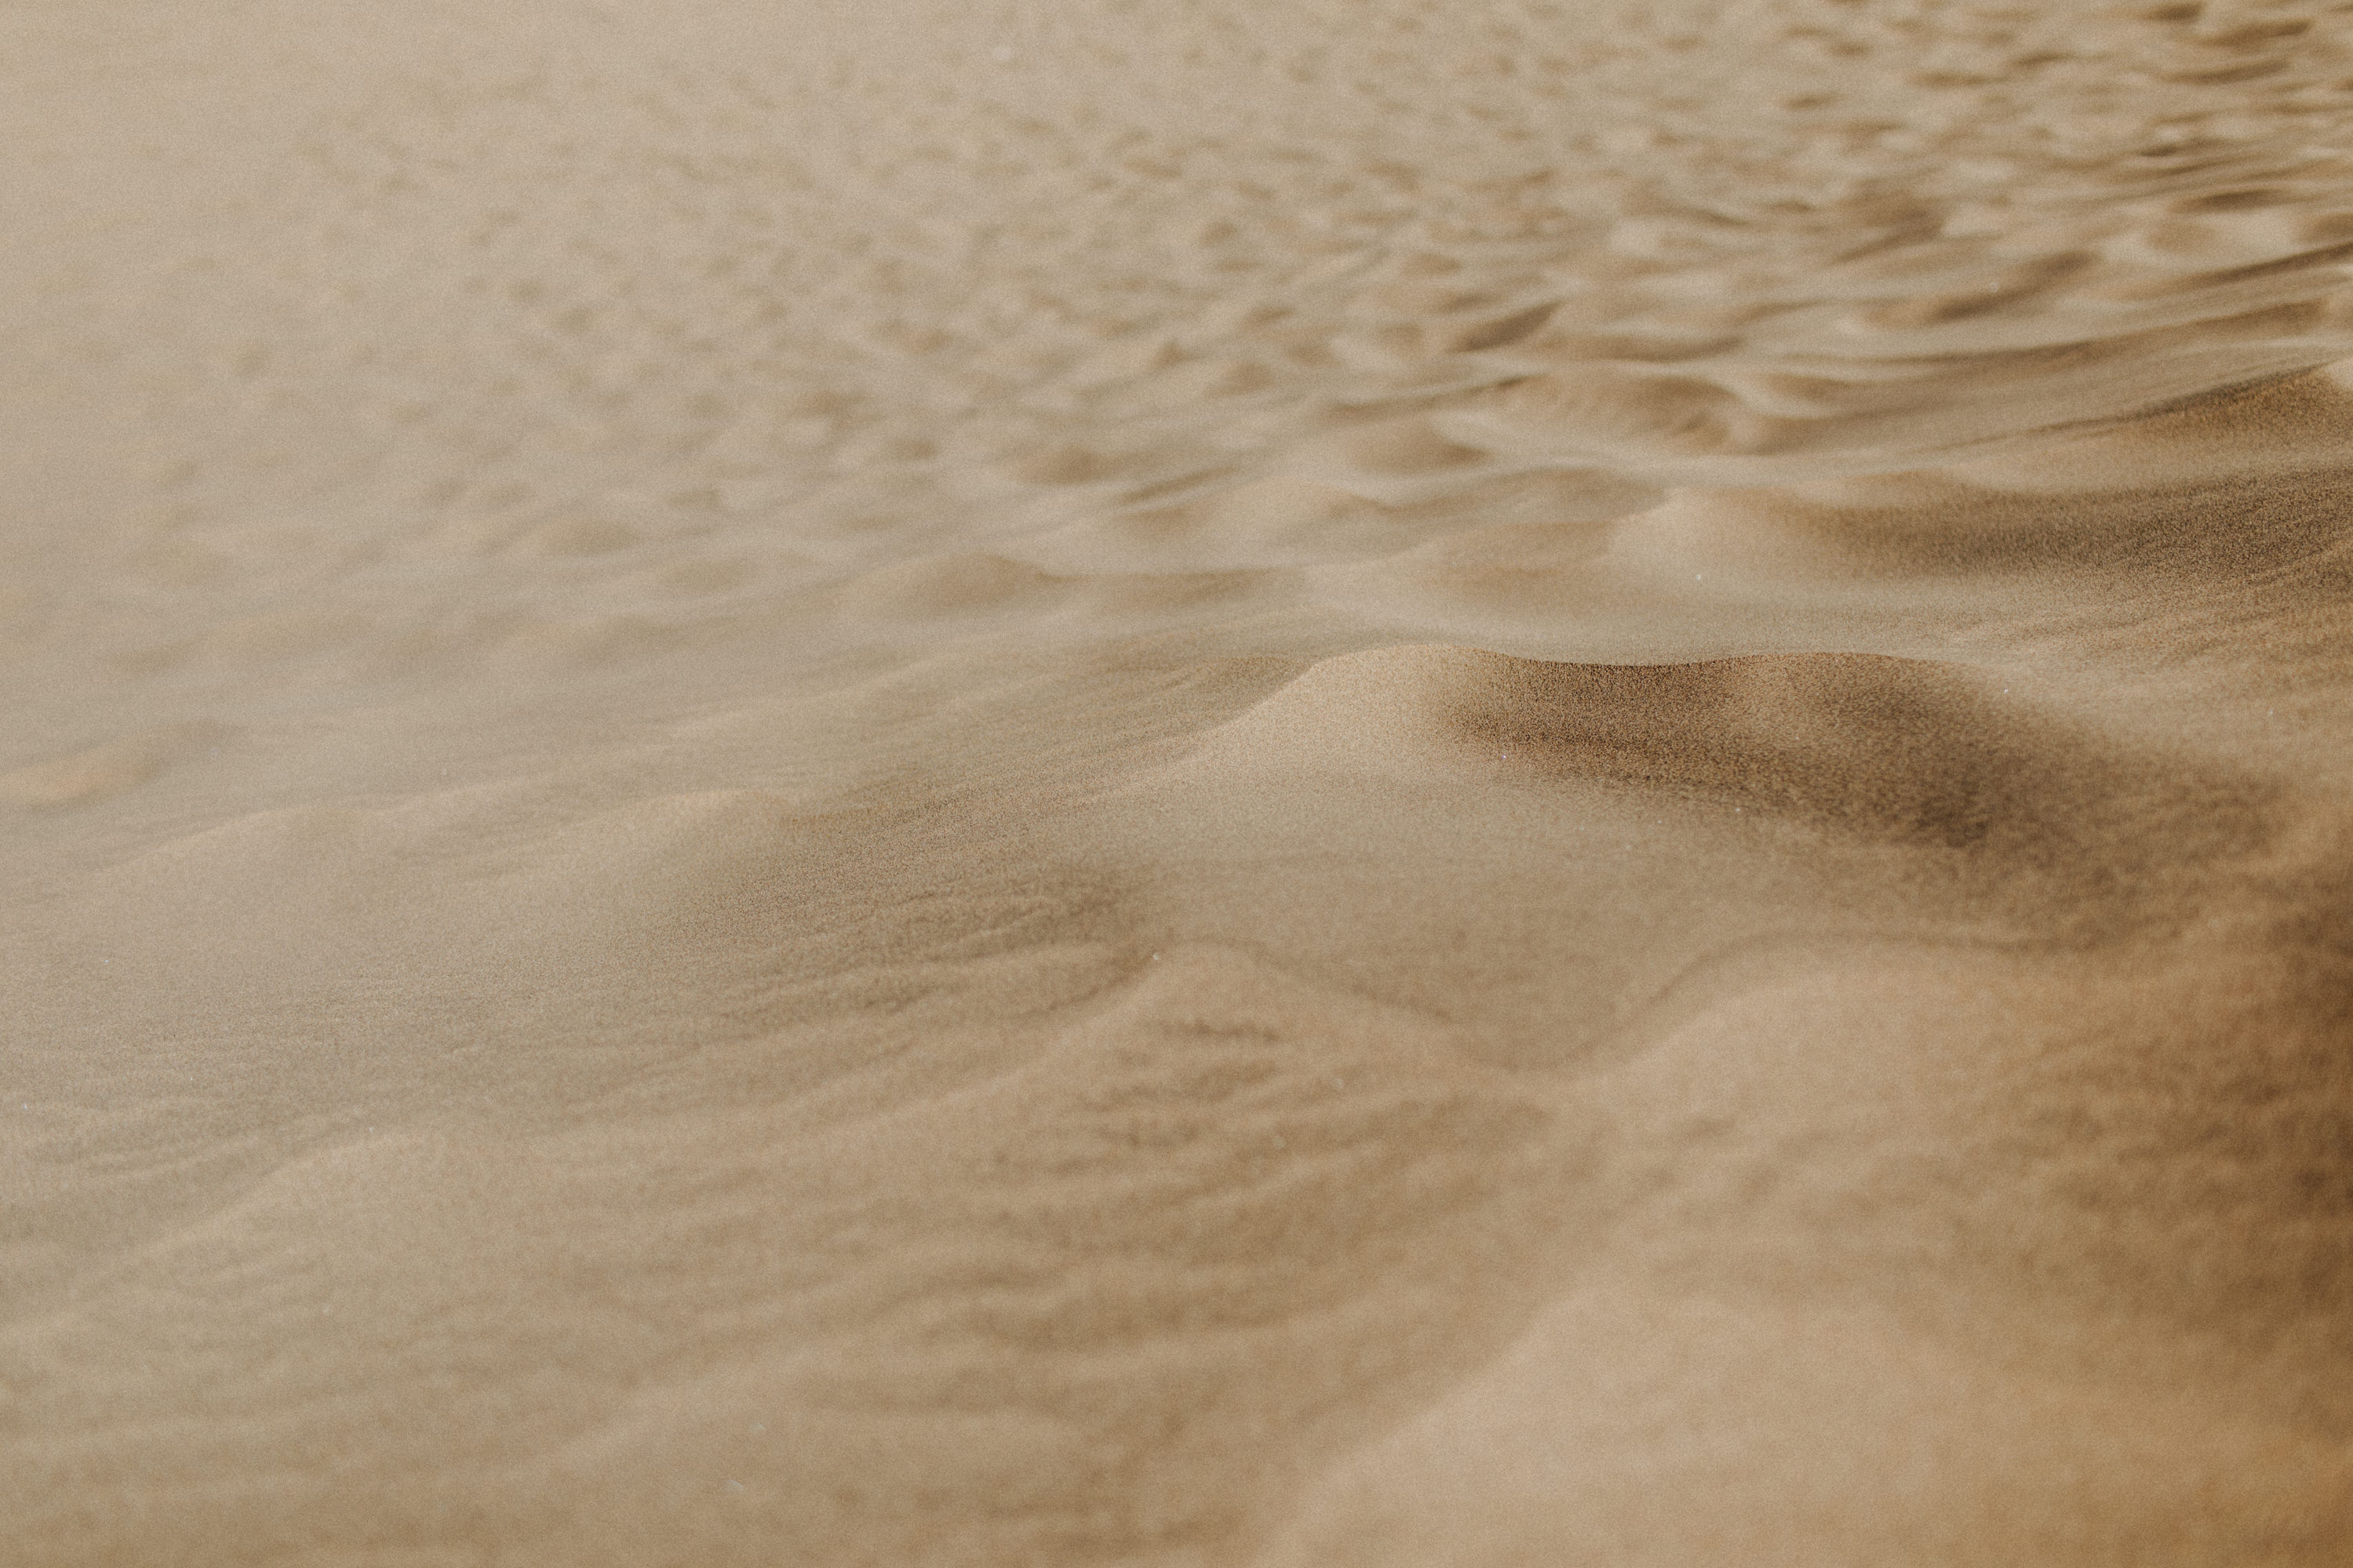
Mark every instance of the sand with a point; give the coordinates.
(1175, 783)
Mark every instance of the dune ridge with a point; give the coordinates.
(1130, 783)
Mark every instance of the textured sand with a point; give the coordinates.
(1175, 783)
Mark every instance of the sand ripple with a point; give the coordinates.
(1336, 783)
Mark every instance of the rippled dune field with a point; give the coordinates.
(1175, 783)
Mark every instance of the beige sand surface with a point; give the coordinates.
(1175, 783)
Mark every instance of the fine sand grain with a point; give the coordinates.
(1175, 783)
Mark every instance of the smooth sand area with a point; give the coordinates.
(1407, 784)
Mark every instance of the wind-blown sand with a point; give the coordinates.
(1175, 783)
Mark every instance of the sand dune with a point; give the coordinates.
(1121, 783)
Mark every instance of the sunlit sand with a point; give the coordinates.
(1176, 785)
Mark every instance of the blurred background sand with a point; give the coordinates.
(1175, 783)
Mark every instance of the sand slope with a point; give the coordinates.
(1176, 784)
